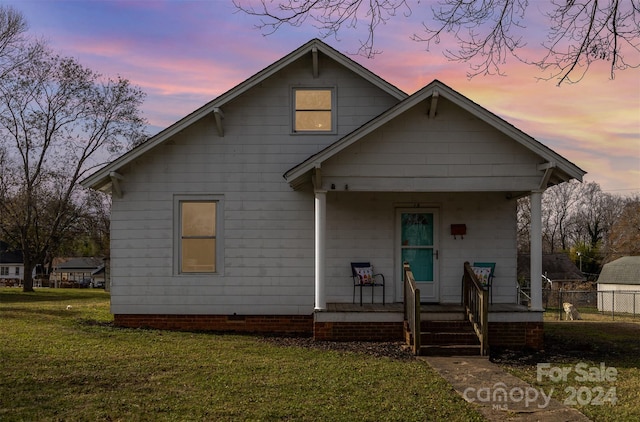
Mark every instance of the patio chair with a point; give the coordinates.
(363, 277)
(489, 279)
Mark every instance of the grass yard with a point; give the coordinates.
(72, 364)
(591, 343)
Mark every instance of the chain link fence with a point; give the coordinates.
(619, 302)
(603, 304)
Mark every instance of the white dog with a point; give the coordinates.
(571, 312)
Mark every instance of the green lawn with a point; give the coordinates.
(595, 343)
(71, 364)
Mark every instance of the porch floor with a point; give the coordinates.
(424, 308)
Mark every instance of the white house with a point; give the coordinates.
(11, 266)
(83, 271)
(619, 286)
(246, 214)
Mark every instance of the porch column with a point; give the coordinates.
(536, 250)
(321, 209)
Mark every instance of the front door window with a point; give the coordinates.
(418, 232)
(417, 244)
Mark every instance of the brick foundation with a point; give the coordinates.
(358, 331)
(516, 335)
(291, 325)
(508, 335)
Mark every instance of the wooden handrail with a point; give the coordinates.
(475, 297)
(412, 306)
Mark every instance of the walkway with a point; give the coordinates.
(476, 379)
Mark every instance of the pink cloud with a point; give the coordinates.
(185, 54)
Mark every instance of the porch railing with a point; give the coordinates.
(475, 299)
(412, 306)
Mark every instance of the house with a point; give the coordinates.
(76, 272)
(619, 286)
(558, 273)
(557, 268)
(246, 214)
(11, 266)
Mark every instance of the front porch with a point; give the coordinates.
(444, 327)
(436, 329)
(427, 310)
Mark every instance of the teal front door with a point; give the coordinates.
(418, 230)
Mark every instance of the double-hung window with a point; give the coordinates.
(198, 236)
(314, 110)
(4, 270)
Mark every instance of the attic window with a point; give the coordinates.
(313, 110)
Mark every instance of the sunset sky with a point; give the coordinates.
(185, 53)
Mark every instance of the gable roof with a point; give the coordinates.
(102, 177)
(87, 264)
(562, 169)
(8, 256)
(556, 266)
(625, 270)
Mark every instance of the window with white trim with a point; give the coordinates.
(4, 270)
(314, 110)
(198, 236)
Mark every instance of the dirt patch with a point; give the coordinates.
(392, 350)
(566, 341)
(594, 341)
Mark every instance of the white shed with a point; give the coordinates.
(619, 286)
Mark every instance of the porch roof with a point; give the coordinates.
(554, 168)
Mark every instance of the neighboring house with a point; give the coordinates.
(246, 214)
(11, 266)
(558, 269)
(619, 286)
(72, 272)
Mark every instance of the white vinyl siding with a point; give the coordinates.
(361, 227)
(265, 241)
(454, 152)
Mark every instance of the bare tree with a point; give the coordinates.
(596, 212)
(581, 218)
(583, 32)
(487, 32)
(624, 238)
(58, 120)
(524, 225)
(14, 47)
